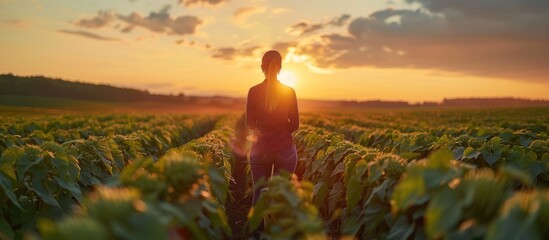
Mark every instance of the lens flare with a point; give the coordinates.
(288, 78)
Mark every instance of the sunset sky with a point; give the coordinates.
(412, 50)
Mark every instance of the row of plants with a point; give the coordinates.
(154, 134)
(368, 194)
(494, 147)
(46, 180)
(102, 125)
(285, 210)
(439, 122)
(182, 195)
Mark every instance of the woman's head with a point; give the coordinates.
(271, 63)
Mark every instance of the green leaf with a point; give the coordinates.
(338, 169)
(350, 161)
(514, 226)
(320, 192)
(516, 174)
(131, 169)
(256, 214)
(491, 151)
(410, 190)
(435, 178)
(5, 230)
(525, 140)
(70, 186)
(39, 176)
(458, 152)
(7, 188)
(470, 153)
(440, 160)
(531, 164)
(525, 161)
(401, 229)
(374, 172)
(336, 194)
(354, 191)
(291, 197)
(350, 226)
(8, 160)
(146, 226)
(443, 213)
(361, 168)
(83, 228)
(63, 176)
(218, 183)
(184, 217)
(29, 158)
(103, 152)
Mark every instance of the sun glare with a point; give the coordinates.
(287, 78)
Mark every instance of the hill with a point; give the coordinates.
(48, 87)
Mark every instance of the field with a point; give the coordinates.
(406, 174)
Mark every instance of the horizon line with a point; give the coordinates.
(301, 99)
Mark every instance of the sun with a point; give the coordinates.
(287, 78)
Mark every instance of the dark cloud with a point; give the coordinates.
(102, 19)
(283, 47)
(302, 28)
(201, 2)
(227, 53)
(486, 8)
(507, 39)
(160, 22)
(88, 35)
(250, 51)
(231, 53)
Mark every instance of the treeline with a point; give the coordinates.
(48, 87)
(456, 102)
(499, 102)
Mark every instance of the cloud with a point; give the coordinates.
(473, 37)
(249, 55)
(17, 23)
(159, 85)
(159, 22)
(303, 27)
(201, 2)
(486, 8)
(88, 35)
(243, 13)
(231, 53)
(193, 44)
(279, 10)
(283, 47)
(101, 20)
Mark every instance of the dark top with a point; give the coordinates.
(272, 129)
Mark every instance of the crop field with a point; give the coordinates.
(409, 174)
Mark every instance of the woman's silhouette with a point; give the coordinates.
(271, 112)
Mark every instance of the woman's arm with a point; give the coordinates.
(251, 118)
(293, 113)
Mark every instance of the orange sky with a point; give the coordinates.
(411, 50)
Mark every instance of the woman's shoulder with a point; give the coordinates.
(255, 87)
(288, 89)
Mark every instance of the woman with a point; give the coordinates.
(271, 112)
